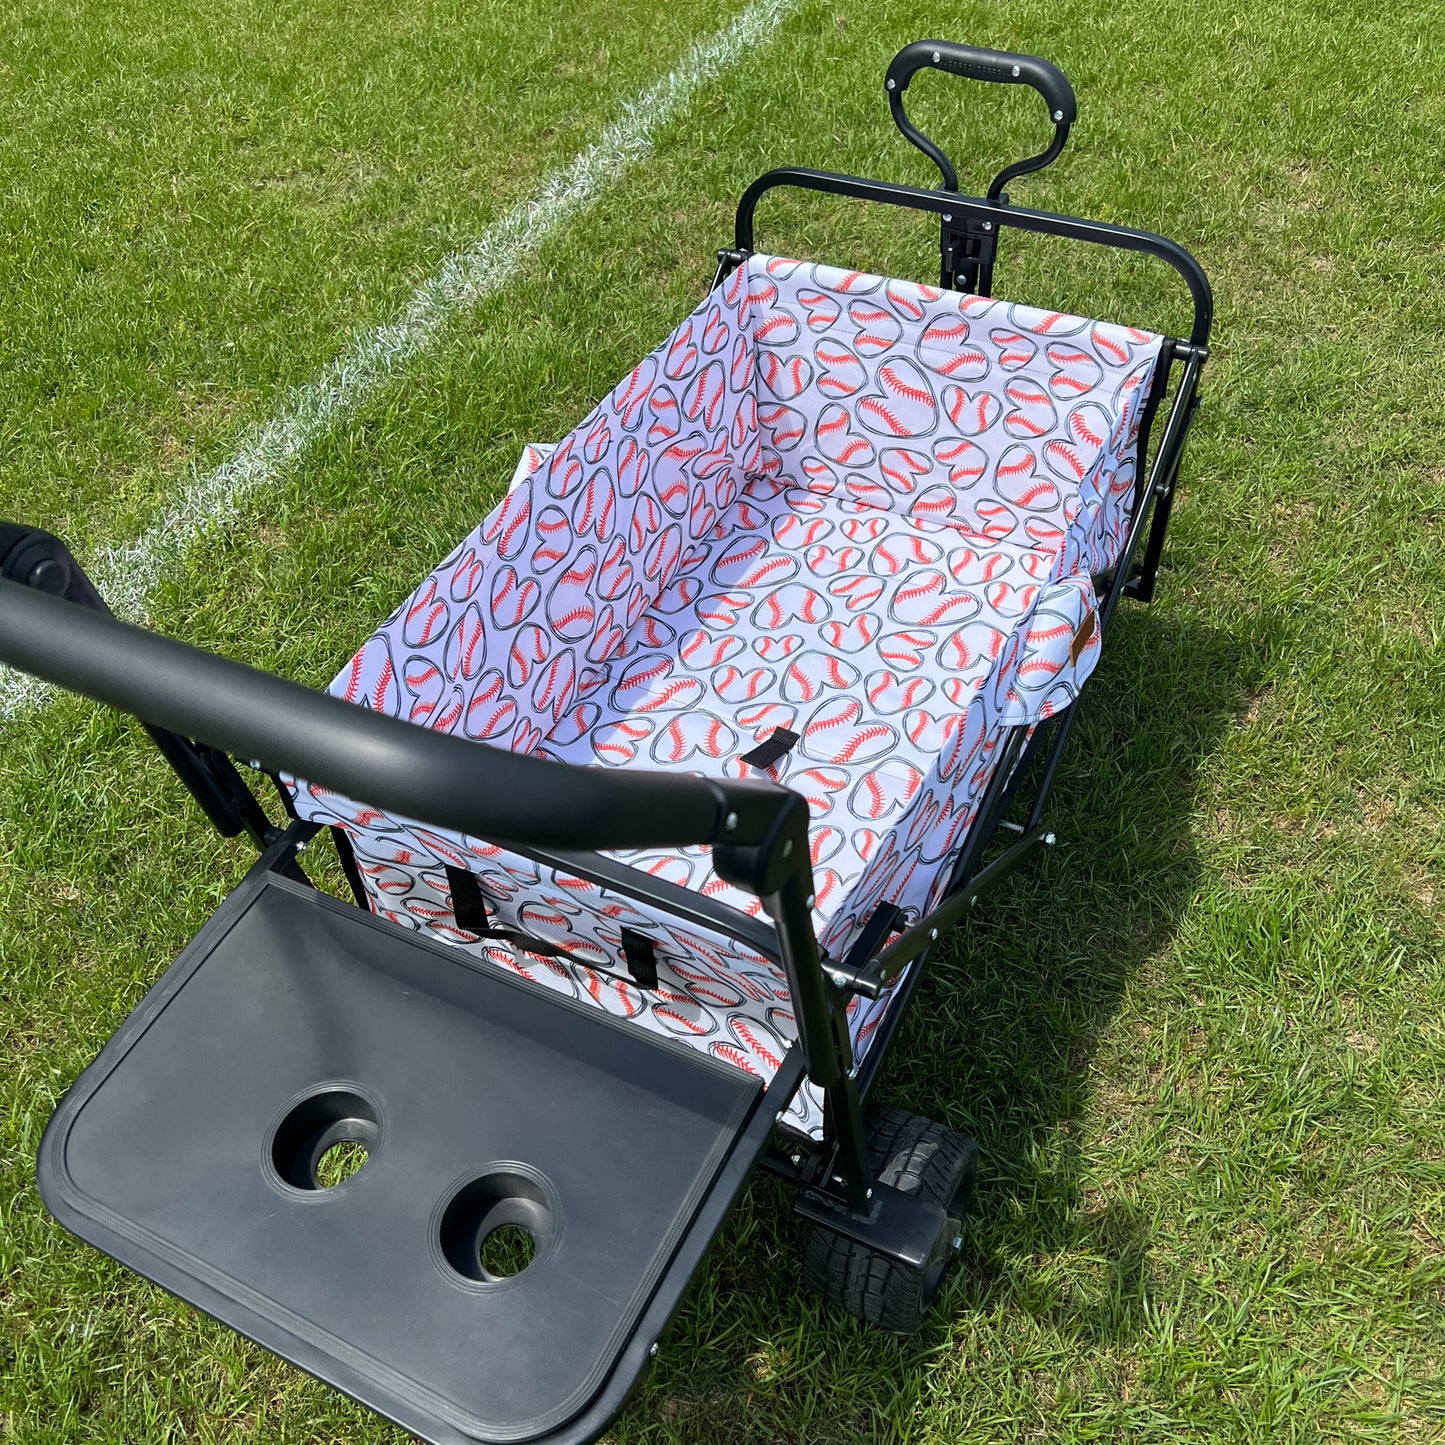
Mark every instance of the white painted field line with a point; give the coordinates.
(126, 575)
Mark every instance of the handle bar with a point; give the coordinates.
(446, 781)
(974, 63)
(954, 208)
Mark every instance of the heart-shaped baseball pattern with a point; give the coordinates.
(971, 412)
(1032, 413)
(841, 372)
(424, 683)
(853, 635)
(825, 561)
(694, 737)
(752, 562)
(904, 404)
(740, 683)
(930, 598)
(648, 594)
(506, 529)
(785, 377)
(902, 468)
(812, 674)
(841, 731)
(652, 684)
(821, 308)
(839, 440)
(876, 330)
(944, 348)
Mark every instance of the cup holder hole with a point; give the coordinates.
(325, 1140)
(506, 1251)
(495, 1226)
(339, 1163)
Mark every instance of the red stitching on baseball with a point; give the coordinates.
(756, 1044)
(378, 695)
(875, 407)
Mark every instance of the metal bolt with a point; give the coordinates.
(1014, 71)
(892, 84)
(778, 1117)
(869, 1195)
(958, 1241)
(988, 225)
(730, 823)
(797, 1158)
(840, 980)
(301, 847)
(1058, 115)
(653, 1350)
(936, 57)
(947, 218)
(933, 935)
(973, 902)
(809, 901)
(1049, 839)
(254, 765)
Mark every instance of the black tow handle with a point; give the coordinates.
(968, 250)
(973, 62)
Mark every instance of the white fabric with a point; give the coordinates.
(857, 508)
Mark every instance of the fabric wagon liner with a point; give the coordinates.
(853, 508)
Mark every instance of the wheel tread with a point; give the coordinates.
(916, 1156)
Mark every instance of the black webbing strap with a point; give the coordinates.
(469, 906)
(779, 743)
(641, 958)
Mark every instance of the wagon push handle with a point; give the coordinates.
(969, 248)
(446, 781)
(975, 63)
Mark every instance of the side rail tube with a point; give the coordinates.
(1162, 475)
(1162, 479)
(780, 872)
(953, 208)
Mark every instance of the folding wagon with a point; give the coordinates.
(673, 772)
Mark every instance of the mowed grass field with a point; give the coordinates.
(1202, 1046)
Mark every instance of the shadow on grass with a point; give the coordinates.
(1005, 1030)
(999, 1044)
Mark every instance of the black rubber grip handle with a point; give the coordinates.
(974, 63)
(446, 781)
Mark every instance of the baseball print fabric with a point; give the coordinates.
(859, 509)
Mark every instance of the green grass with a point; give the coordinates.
(1201, 1047)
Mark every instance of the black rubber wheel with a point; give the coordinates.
(916, 1156)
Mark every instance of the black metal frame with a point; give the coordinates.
(970, 228)
(198, 707)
